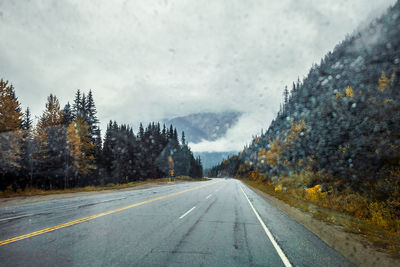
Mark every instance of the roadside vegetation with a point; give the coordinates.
(334, 147)
(9, 192)
(377, 221)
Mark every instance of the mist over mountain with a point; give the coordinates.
(204, 126)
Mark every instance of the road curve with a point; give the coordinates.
(214, 223)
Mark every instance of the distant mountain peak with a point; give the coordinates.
(208, 126)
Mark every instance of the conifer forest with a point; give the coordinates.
(65, 148)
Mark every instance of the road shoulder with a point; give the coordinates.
(16, 201)
(352, 246)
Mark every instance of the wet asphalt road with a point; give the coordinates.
(188, 224)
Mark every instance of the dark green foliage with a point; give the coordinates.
(26, 170)
(351, 108)
(44, 157)
(228, 168)
(127, 157)
(68, 116)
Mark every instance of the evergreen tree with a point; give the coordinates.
(84, 109)
(175, 136)
(10, 134)
(77, 106)
(26, 171)
(68, 115)
(50, 138)
(108, 148)
(183, 138)
(286, 96)
(92, 121)
(81, 150)
(170, 133)
(141, 132)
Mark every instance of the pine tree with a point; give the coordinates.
(83, 109)
(164, 132)
(68, 115)
(175, 136)
(141, 132)
(170, 133)
(26, 172)
(183, 138)
(10, 133)
(75, 153)
(77, 106)
(92, 121)
(51, 141)
(10, 110)
(81, 149)
(286, 96)
(27, 121)
(108, 147)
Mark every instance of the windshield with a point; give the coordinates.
(199, 133)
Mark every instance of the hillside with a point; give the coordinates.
(336, 140)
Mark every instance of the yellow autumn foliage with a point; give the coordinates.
(383, 82)
(294, 133)
(314, 193)
(387, 100)
(349, 92)
(274, 153)
(80, 146)
(344, 148)
(278, 188)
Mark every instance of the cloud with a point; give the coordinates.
(238, 136)
(149, 60)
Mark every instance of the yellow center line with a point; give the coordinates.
(56, 227)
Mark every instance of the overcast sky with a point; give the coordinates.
(149, 60)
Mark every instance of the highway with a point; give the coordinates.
(220, 222)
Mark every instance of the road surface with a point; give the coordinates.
(213, 223)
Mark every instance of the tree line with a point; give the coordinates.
(65, 148)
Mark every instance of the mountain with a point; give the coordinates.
(204, 126)
(342, 122)
(335, 142)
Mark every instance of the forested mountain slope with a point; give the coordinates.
(336, 140)
(343, 118)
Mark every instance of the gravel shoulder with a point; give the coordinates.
(352, 246)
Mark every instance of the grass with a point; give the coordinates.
(37, 192)
(372, 220)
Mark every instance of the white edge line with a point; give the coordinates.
(186, 213)
(16, 217)
(281, 254)
(209, 196)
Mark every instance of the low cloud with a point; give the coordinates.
(150, 60)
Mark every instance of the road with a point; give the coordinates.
(220, 222)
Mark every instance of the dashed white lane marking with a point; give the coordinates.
(186, 213)
(278, 249)
(209, 196)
